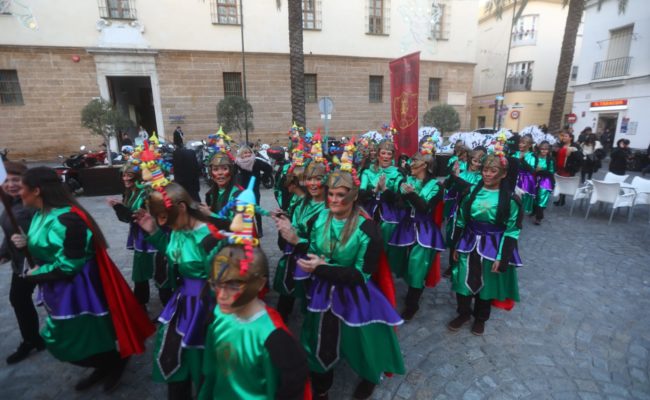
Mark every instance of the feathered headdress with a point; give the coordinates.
(148, 161)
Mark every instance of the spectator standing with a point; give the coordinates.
(607, 139)
(590, 157)
(178, 137)
(187, 171)
(619, 157)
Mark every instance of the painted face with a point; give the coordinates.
(475, 164)
(463, 156)
(336, 201)
(492, 176)
(385, 158)
(227, 293)
(524, 146)
(31, 197)
(417, 167)
(314, 186)
(373, 154)
(128, 179)
(220, 174)
(12, 185)
(543, 151)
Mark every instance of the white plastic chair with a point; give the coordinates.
(611, 192)
(642, 188)
(613, 178)
(570, 186)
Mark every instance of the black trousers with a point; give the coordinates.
(481, 309)
(141, 292)
(20, 297)
(107, 360)
(539, 212)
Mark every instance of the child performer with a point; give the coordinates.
(544, 168)
(526, 177)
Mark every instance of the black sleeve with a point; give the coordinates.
(74, 243)
(365, 195)
(290, 360)
(54, 275)
(388, 196)
(221, 223)
(507, 250)
(339, 275)
(208, 243)
(124, 214)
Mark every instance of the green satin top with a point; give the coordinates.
(370, 177)
(185, 249)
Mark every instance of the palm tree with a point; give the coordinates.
(296, 61)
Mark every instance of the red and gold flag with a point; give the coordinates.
(404, 90)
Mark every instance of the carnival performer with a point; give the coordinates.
(294, 230)
(190, 246)
(89, 304)
(250, 353)
(417, 236)
(280, 190)
(544, 166)
(525, 174)
(485, 255)
(143, 252)
(21, 289)
(456, 165)
(347, 315)
(380, 185)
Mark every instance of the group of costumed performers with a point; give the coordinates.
(93, 318)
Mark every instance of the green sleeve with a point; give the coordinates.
(461, 218)
(209, 367)
(159, 240)
(360, 260)
(529, 159)
(70, 236)
(551, 164)
(365, 180)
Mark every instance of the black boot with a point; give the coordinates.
(412, 303)
(285, 306)
(23, 350)
(179, 390)
(114, 375)
(321, 384)
(364, 389)
(86, 383)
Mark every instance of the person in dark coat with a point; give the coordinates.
(178, 137)
(619, 157)
(187, 171)
(248, 166)
(20, 294)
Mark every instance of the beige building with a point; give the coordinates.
(168, 63)
(529, 70)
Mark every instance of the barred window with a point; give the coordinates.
(117, 9)
(311, 14)
(311, 95)
(434, 89)
(232, 84)
(375, 94)
(438, 17)
(376, 17)
(10, 93)
(225, 12)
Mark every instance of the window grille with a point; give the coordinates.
(434, 89)
(225, 12)
(311, 14)
(375, 94)
(232, 84)
(10, 93)
(378, 17)
(117, 9)
(311, 95)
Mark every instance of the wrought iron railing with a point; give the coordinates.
(519, 82)
(612, 68)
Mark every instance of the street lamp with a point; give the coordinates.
(243, 62)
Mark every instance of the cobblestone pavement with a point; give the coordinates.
(582, 330)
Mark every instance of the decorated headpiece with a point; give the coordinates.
(426, 155)
(228, 266)
(386, 144)
(165, 200)
(218, 149)
(318, 165)
(153, 171)
(499, 150)
(347, 161)
(296, 136)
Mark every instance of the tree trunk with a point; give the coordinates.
(573, 18)
(296, 63)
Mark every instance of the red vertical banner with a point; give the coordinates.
(404, 90)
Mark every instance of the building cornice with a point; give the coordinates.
(616, 82)
(121, 51)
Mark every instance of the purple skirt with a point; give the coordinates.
(193, 311)
(545, 182)
(485, 238)
(387, 212)
(356, 305)
(82, 294)
(136, 240)
(418, 228)
(526, 182)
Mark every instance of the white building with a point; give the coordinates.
(612, 90)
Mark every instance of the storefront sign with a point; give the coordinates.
(608, 105)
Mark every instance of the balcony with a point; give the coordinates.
(612, 68)
(524, 38)
(519, 82)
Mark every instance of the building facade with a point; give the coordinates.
(167, 63)
(518, 62)
(612, 91)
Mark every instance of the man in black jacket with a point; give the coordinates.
(187, 171)
(178, 137)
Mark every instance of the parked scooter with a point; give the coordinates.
(69, 176)
(267, 180)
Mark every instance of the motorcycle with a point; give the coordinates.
(267, 180)
(85, 159)
(69, 176)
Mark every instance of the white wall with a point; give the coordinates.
(186, 25)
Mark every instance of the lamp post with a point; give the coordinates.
(497, 108)
(243, 62)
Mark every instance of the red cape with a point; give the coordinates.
(131, 323)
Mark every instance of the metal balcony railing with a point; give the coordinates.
(612, 68)
(519, 82)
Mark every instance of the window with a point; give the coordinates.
(225, 12)
(10, 93)
(311, 95)
(525, 32)
(376, 17)
(619, 42)
(232, 84)
(311, 14)
(438, 20)
(434, 89)
(375, 94)
(520, 76)
(117, 9)
(574, 72)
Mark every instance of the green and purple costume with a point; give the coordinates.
(452, 196)
(143, 252)
(78, 324)
(178, 352)
(347, 315)
(252, 359)
(526, 183)
(417, 237)
(461, 185)
(544, 181)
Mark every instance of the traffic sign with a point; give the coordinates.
(514, 114)
(571, 118)
(325, 105)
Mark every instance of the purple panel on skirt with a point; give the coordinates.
(352, 304)
(136, 240)
(545, 182)
(526, 182)
(81, 294)
(419, 228)
(370, 206)
(391, 214)
(193, 311)
(487, 237)
(299, 274)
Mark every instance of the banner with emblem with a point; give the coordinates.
(404, 90)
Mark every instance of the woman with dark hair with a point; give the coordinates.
(223, 189)
(190, 246)
(485, 243)
(347, 317)
(525, 184)
(590, 160)
(619, 157)
(249, 166)
(544, 166)
(20, 293)
(568, 159)
(69, 250)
